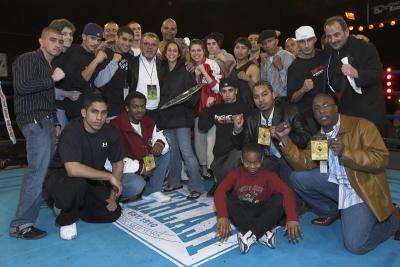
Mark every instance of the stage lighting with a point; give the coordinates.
(360, 28)
(350, 15)
(351, 27)
(392, 23)
(371, 26)
(381, 25)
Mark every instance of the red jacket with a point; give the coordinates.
(255, 188)
(216, 74)
(136, 146)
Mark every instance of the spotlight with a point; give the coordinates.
(389, 84)
(360, 28)
(392, 23)
(388, 97)
(388, 77)
(371, 26)
(389, 91)
(381, 25)
(350, 15)
(389, 69)
(351, 27)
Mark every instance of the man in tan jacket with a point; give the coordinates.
(346, 177)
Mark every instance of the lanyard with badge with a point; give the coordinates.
(264, 133)
(319, 151)
(151, 88)
(148, 160)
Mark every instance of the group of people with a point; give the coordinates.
(277, 130)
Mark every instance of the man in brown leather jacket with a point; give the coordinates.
(351, 181)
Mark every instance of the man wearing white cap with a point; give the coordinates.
(306, 74)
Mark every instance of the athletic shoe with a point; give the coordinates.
(29, 233)
(245, 241)
(68, 232)
(157, 196)
(269, 238)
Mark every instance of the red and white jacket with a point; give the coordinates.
(212, 89)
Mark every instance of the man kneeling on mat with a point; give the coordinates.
(257, 202)
(80, 188)
(350, 180)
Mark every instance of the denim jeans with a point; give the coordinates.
(62, 118)
(362, 232)
(40, 145)
(180, 143)
(133, 184)
(204, 144)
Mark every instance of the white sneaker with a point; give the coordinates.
(245, 241)
(157, 196)
(68, 232)
(269, 238)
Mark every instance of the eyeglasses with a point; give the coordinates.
(323, 107)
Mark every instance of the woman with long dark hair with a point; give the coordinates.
(178, 120)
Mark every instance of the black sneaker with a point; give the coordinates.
(29, 233)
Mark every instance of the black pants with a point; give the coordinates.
(222, 165)
(79, 198)
(259, 218)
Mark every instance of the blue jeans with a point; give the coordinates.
(362, 232)
(62, 118)
(133, 184)
(180, 143)
(40, 145)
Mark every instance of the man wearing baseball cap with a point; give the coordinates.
(274, 69)
(226, 157)
(81, 65)
(306, 74)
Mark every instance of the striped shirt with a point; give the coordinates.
(33, 88)
(337, 174)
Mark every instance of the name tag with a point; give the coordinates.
(152, 92)
(149, 162)
(323, 166)
(319, 148)
(264, 136)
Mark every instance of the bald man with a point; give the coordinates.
(169, 29)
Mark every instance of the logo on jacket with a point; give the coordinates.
(104, 144)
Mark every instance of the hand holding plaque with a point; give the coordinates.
(336, 145)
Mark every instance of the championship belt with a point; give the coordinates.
(7, 116)
(183, 97)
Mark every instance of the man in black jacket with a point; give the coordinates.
(354, 74)
(261, 128)
(80, 66)
(146, 73)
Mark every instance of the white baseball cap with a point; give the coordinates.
(304, 32)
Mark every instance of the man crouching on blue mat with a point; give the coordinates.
(255, 199)
(77, 183)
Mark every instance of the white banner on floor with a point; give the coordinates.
(182, 230)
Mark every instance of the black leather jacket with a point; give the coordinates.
(283, 112)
